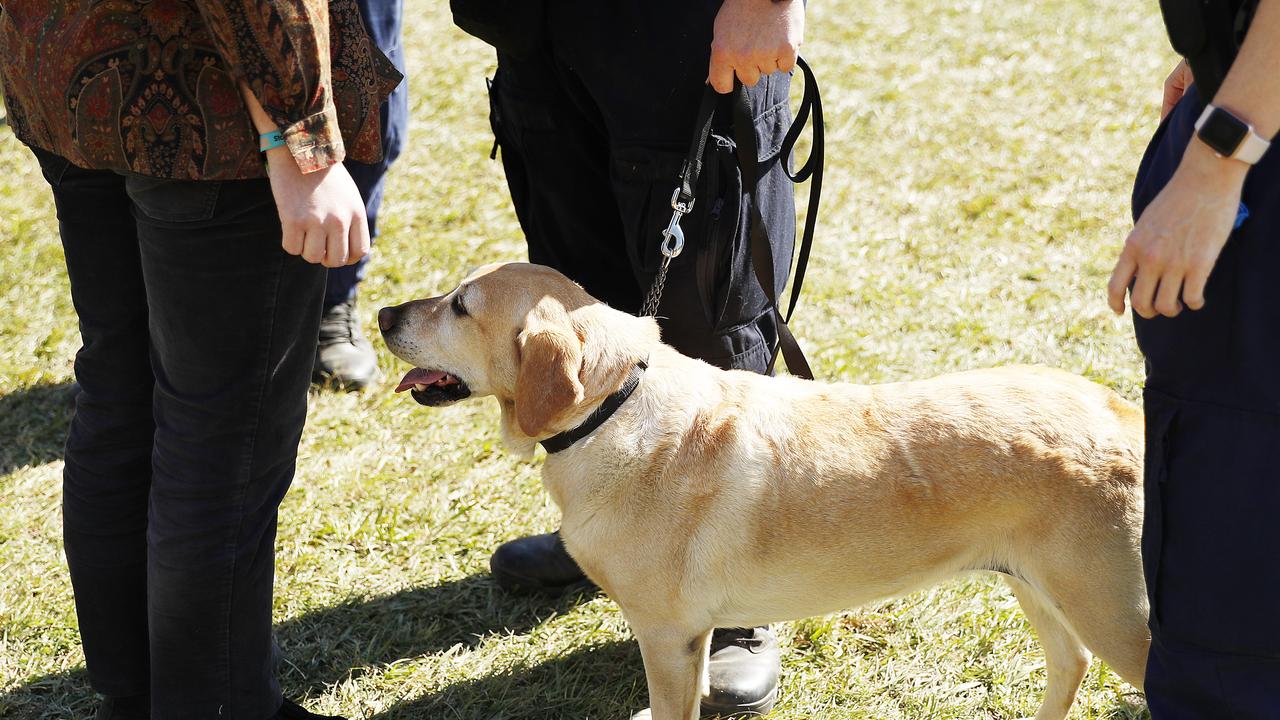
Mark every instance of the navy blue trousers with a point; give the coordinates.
(593, 131)
(1211, 538)
(384, 20)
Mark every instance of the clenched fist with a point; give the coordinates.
(754, 38)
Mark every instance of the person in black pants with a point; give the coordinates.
(593, 126)
(186, 428)
(194, 157)
(1202, 261)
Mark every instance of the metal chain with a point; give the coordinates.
(650, 308)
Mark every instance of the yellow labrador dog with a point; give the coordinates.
(701, 498)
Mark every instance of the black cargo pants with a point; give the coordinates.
(1211, 540)
(593, 130)
(199, 333)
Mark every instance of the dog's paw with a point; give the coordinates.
(644, 714)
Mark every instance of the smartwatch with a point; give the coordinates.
(1229, 136)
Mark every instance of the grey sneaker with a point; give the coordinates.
(344, 356)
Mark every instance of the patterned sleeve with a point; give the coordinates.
(280, 48)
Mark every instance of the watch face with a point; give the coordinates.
(1223, 132)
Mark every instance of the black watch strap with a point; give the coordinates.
(1229, 136)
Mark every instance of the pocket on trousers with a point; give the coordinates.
(723, 257)
(176, 201)
(52, 166)
(517, 116)
(736, 296)
(1250, 687)
(1217, 581)
(495, 112)
(1160, 416)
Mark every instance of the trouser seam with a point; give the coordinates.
(1258, 413)
(250, 448)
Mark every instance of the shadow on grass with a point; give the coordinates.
(53, 697)
(1135, 709)
(598, 682)
(331, 644)
(33, 425)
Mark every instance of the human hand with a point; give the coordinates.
(321, 213)
(1175, 86)
(754, 38)
(1176, 241)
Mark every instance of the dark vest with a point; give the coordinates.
(1208, 33)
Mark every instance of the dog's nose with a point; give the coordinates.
(387, 318)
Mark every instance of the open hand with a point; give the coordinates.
(754, 38)
(1176, 241)
(321, 213)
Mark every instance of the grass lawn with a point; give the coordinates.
(979, 160)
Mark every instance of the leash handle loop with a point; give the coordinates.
(685, 194)
(762, 259)
(811, 101)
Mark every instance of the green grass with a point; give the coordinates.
(979, 157)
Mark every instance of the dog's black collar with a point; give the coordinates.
(562, 441)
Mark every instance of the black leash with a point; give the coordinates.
(682, 201)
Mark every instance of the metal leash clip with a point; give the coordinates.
(673, 236)
(671, 247)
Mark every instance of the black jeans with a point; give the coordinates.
(198, 337)
(593, 131)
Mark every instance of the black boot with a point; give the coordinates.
(134, 707)
(293, 711)
(344, 355)
(744, 668)
(71, 394)
(743, 672)
(538, 565)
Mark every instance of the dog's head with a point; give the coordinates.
(523, 333)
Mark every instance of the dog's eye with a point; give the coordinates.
(458, 308)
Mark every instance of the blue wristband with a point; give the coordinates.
(1241, 215)
(269, 140)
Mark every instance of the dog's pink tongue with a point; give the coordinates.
(418, 376)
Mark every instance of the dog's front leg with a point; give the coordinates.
(675, 660)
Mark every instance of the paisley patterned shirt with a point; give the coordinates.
(152, 86)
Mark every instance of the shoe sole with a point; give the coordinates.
(757, 709)
(323, 379)
(521, 585)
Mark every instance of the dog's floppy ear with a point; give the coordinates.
(547, 381)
